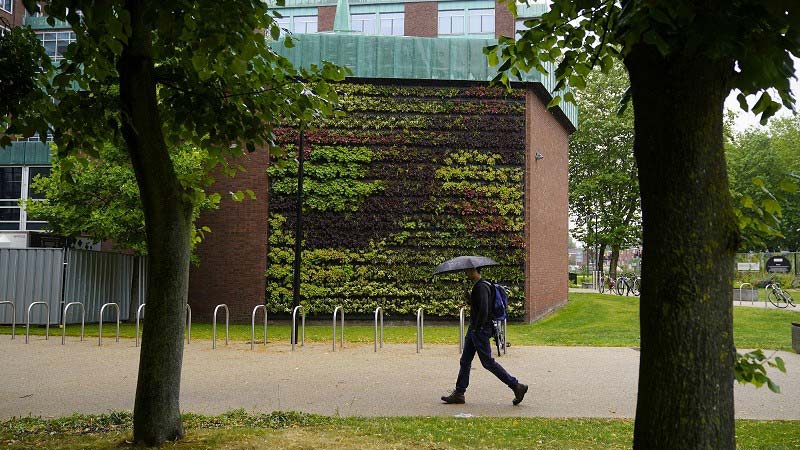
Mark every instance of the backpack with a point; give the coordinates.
(499, 305)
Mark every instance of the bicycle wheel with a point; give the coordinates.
(620, 285)
(776, 299)
(636, 288)
(788, 298)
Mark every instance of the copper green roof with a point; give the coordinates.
(25, 154)
(407, 58)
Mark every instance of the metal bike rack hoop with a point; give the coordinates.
(461, 330)
(253, 328)
(341, 342)
(138, 317)
(13, 317)
(303, 326)
(505, 335)
(420, 328)
(378, 313)
(214, 325)
(102, 308)
(189, 322)
(28, 320)
(741, 286)
(64, 320)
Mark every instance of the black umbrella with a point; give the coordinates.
(463, 262)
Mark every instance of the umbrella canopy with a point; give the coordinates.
(463, 262)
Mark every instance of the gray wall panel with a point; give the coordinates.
(28, 275)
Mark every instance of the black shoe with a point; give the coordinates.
(454, 398)
(519, 392)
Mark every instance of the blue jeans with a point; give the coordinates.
(477, 341)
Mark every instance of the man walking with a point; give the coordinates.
(477, 341)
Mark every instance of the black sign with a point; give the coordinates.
(778, 264)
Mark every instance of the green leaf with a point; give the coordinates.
(771, 206)
(554, 102)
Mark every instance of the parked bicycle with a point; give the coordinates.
(777, 296)
(607, 284)
(628, 284)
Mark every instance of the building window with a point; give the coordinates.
(7, 6)
(56, 42)
(471, 18)
(304, 24)
(4, 30)
(15, 185)
(35, 138)
(381, 23)
(481, 21)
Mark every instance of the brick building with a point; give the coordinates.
(409, 43)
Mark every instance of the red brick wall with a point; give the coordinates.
(546, 216)
(422, 19)
(233, 257)
(325, 16)
(503, 21)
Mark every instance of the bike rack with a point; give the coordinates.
(505, 335)
(740, 292)
(214, 325)
(461, 330)
(189, 321)
(64, 320)
(303, 326)
(377, 311)
(102, 308)
(13, 317)
(341, 341)
(420, 328)
(253, 329)
(138, 317)
(28, 320)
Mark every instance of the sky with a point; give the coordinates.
(745, 120)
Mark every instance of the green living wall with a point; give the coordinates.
(409, 177)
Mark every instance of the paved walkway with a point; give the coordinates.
(46, 378)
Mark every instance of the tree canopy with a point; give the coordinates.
(148, 77)
(602, 170)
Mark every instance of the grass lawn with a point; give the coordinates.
(240, 430)
(587, 320)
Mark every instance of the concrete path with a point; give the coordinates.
(48, 379)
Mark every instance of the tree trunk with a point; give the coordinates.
(601, 253)
(690, 236)
(612, 269)
(156, 415)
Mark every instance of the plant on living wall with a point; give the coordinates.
(411, 176)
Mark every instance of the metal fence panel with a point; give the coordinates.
(31, 275)
(95, 278)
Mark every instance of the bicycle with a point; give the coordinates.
(778, 297)
(628, 284)
(606, 282)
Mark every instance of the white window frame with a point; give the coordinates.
(448, 17)
(44, 37)
(377, 20)
(4, 30)
(305, 22)
(464, 15)
(22, 223)
(481, 14)
(10, 9)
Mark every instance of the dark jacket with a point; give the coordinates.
(479, 304)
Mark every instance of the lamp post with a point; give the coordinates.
(298, 230)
